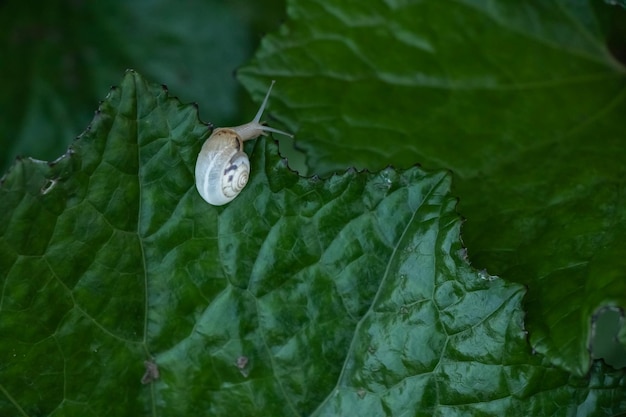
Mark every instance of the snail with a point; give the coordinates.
(222, 167)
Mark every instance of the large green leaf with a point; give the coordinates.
(345, 296)
(524, 102)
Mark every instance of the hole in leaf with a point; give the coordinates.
(605, 327)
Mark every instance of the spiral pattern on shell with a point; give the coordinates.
(235, 176)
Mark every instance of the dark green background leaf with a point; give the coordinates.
(63, 55)
(617, 2)
(300, 297)
(524, 102)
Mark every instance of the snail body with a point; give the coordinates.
(222, 167)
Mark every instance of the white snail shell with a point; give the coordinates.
(222, 168)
